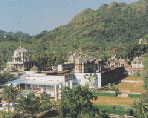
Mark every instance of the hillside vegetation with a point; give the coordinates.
(111, 29)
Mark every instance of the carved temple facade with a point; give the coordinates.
(81, 64)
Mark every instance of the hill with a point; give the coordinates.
(112, 29)
(10, 36)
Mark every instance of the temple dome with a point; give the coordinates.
(19, 51)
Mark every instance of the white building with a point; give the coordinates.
(51, 84)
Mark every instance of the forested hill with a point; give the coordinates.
(11, 36)
(111, 29)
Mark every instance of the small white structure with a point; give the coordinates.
(137, 63)
(142, 41)
(51, 84)
(137, 66)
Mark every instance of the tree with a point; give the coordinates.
(29, 106)
(44, 103)
(145, 77)
(6, 77)
(76, 103)
(10, 93)
(33, 105)
(141, 107)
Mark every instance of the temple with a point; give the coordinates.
(81, 64)
(132, 68)
(20, 60)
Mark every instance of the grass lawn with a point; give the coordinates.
(132, 87)
(135, 95)
(113, 101)
(106, 94)
(118, 110)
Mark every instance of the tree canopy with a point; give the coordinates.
(33, 105)
(6, 77)
(76, 103)
(10, 93)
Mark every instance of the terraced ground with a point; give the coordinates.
(125, 87)
(132, 87)
(114, 101)
(134, 78)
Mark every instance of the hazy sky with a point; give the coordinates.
(38, 15)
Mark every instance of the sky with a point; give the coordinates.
(35, 16)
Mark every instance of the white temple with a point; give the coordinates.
(20, 60)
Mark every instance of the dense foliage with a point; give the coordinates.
(76, 103)
(141, 107)
(10, 93)
(5, 78)
(29, 105)
(32, 105)
(112, 29)
(145, 60)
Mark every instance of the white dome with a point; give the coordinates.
(19, 51)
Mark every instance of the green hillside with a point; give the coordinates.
(111, 29)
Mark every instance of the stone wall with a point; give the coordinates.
(86, 68)
(102, 78)
(112, 76)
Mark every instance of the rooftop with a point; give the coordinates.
(57, 73)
